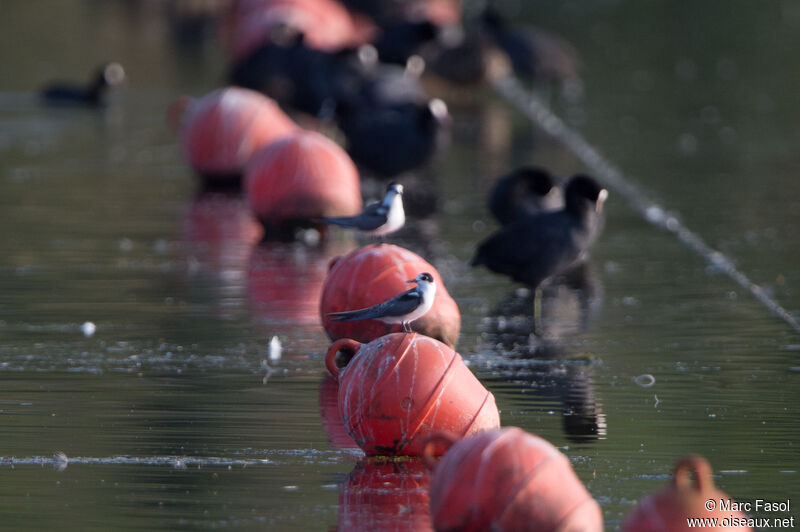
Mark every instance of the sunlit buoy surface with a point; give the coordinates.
(686, 497)
(506, 480)
(374, 274)
(301, 178)
(397, 390)
(380, 495)
(220, 131)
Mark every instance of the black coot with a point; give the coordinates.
(287, 70)
(400, 40)
(534, 53)
(526, 191)
(390, 139)
(537, 247)
(108, 75)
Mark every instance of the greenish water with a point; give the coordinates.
(167, 415)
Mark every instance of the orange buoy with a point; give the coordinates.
(325, 24)
(397, 390)
(373, 274)
(299, 179)
(220, 131)
(506, 480)
(385, 495)
(440, 12)
(669, 509)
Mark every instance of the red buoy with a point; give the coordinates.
(220, 131)
(373, 274)
(669, 509)
(301, 178)
(504, 480)
(385, 495)
(325, 24)
(440, 12)
(397, 390)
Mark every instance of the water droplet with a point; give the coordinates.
(88, 329)
(126, 245)
(60, 461)
(687, 144)
(275, 349)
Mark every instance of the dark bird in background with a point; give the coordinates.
(289, 71)
(464, 57)
(525, 191)
(402, 308)
(535, 54)
(534, 248)
(392, 138)
(362, 80)
(91, 94)
(402, 39)
(379, 219)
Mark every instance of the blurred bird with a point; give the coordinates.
(402, 39)
(394, 138)
(403, 308)
(289, 71)
(534, 53)
(379, 219)
(526, 191)
(366, 81)
(92, 94)
(464, 57)
(534, 248)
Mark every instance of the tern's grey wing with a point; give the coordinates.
(374, 216)
(397, 306)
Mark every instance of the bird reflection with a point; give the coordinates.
(531, 351)
(533, 326)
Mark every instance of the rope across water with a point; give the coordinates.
(534, 109)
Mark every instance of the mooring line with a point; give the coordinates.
(534, 109)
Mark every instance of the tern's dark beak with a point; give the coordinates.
(411, 281)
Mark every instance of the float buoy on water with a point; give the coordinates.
(299, 179)
(373, 274)
(397, 390)
(220, 131)
(506, 480)
(690, 495)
